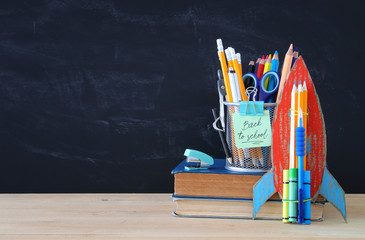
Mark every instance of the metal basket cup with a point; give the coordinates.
(247, 159)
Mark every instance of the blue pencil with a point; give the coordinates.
(272, 81)
(295, 56)
(300, 152)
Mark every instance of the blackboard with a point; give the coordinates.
(105, 96)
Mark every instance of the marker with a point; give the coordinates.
(306, 196)
(285, 196)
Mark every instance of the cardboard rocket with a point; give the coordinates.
(322, 182)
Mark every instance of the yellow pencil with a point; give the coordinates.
(239, 73)
(286, 69)
(266, 69)
(222, 59)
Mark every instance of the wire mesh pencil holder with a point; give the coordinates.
(247, 159)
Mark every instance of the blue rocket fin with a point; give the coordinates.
(262, 191)
(333, 192)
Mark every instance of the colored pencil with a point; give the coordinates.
(295, 56)
(305, 117)
(292, 127)
(260, 70)
(274, 68)
(299, 102)
(266, 69)
(257, 65)
(250, 69)
(285, 70)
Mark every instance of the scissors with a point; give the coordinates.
(265, 95)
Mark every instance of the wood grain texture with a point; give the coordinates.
(148, 216)
(238, 209)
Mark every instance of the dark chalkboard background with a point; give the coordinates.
(104, 96)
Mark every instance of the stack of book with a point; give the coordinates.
(222, 193)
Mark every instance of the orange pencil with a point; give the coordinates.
(299, 104)
(239, 74)
(229, 58)
(305, 117)
(238, 56)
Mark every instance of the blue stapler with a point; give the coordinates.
(197, 160)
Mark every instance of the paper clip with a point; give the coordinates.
(251, 107)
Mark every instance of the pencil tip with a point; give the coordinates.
(304, 86)
(276, 52)
(291, 46)
(294, 89)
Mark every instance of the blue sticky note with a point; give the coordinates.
(252, 131)
(249, 106)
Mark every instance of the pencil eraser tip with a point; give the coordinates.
(228, 54)
(220, 45)
(233, 53)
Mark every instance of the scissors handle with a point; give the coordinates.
(256, 82)
(268, 95)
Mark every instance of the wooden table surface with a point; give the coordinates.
(148, 216)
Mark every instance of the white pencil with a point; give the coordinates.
(292, 128)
